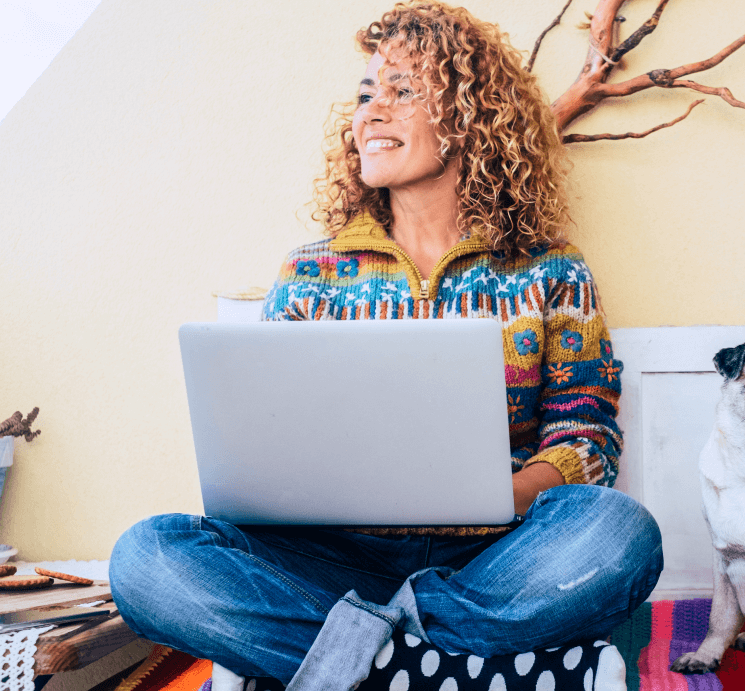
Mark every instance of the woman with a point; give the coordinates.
(443, 197)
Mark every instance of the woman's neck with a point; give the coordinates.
(425, 221)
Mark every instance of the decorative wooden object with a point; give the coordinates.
(73, 647)
(603, 55)
(16, 426)
(76, 645)
(57, 595)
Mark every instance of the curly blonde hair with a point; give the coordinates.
(512, 165)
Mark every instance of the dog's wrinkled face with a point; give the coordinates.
(730, 363)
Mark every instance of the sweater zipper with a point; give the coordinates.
(424, 289)
(424, 284)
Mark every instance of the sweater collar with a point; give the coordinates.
(364, 234)
(361, 231)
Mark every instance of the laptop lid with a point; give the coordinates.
(350, 422)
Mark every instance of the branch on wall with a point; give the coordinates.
(722, 91)
(538, 42)
(603, 56)
(644, 30)
(667, 79)
(578, 138)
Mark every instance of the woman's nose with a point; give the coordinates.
(378, 109)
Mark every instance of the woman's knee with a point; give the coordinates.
(639, 533)
(583, 552)
(136, 559)
(140, 544)
(599, 509)
(619, 529)
(629, 523)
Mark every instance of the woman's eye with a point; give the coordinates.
(403, 95)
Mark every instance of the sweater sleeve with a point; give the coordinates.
(280, 303)
(581, 383)
(296, 294)
(303, 289)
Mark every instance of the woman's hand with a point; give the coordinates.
(530, 481)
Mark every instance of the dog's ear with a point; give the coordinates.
(729, 361)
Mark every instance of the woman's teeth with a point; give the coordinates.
(378, 144)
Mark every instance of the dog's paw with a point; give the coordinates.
(690, 664)
(739, 643)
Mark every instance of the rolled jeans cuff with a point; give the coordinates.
(353, 634)
(343, 652)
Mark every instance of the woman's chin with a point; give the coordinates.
(375, 180)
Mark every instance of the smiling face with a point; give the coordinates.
(392, 129)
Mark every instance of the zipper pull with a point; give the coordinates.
(424, 290)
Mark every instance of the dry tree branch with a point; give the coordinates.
(577, 138)
(591, 88)
(665, 78)
(538, 42)
(581, 96)
(723, 92)
(707, 64)
(643, 31)
(602, 25)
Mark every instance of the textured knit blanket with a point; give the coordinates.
(658, 633)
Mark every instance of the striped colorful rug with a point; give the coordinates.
(166, 669)
(658, 633)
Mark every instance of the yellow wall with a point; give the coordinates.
(164, 154)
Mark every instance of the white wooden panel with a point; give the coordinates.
(674, 348)
(670, 389)
(677, 418)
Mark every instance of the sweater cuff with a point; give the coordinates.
(566, 460)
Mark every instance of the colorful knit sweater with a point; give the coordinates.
(563, 382)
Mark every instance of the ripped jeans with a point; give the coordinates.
(313, 607)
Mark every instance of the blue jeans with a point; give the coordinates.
(314, 606)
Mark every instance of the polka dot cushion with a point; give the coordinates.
(263, 684)
(406, 663)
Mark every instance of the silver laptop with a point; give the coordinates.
(350, 422)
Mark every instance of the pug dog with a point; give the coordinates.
(722, 474)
